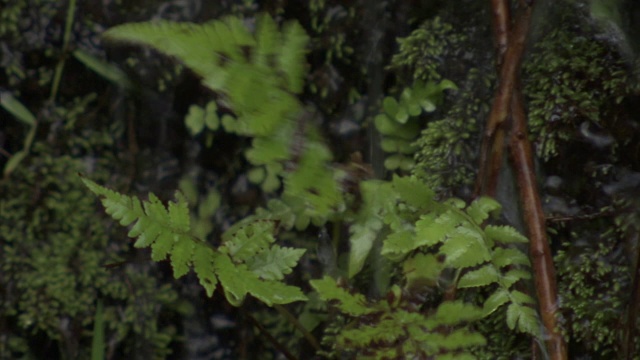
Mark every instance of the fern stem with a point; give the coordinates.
(279, 346)
(293, 320)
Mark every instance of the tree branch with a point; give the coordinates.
(544, 271)
(491, 153)
(507, 102)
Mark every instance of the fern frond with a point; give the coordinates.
(166, 231)
(238, 281)
(154, 225)
(198, 46)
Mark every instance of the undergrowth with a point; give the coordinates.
(257, 73)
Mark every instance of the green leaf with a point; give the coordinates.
(211, 119)
(268, 39)
(315, 183)
(209, 205)
(229, 123)
(14, 161)
(413, 191)
(269, 150)
(353, 304)
(361, 241)
(15, 108)
(232, 279)
(427, 105)
(249, 240)
(510, 256)
(195, 120)
(504, 234)
(203, 257)
(389, 127)
(480, 209)
(458, 337)
(121, 207)
(390, 106)
(273, 292)
(162, 246)
(414, 109)
(455, 312)
(291, 56)
(524, 318)
(275, 263)
(397, 145)
(447, 84)
(257, 174)
(402, 116)
(495, 300)
(179, 214)
(394, 162)
(399, 243)
(483, 276)
(521, 298)
(432, 229)
(103, 68)
(422, 269)
(513, 276)
(198, 46)
(465, 248)
(181, 256)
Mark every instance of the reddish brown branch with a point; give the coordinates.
(501, 16)
(544, 271)
(508, 102)
(491, 153)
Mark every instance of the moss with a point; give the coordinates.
(446, 156)
(53, 269)
(425, 50)
(501, 345)
(445, 159)
(592, 291)
(572, 80)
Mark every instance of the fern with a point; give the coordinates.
(399, 125)
(257, 74)
(246, 263)
(426, 238)
(387, 329)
